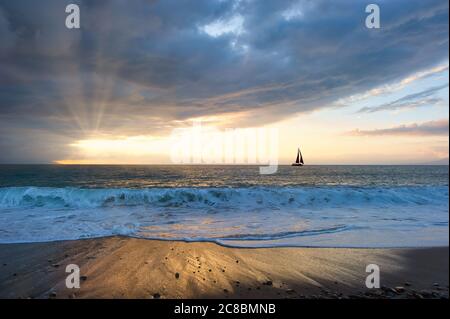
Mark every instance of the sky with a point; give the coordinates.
(115, 90)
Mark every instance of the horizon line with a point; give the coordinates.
(187, 164)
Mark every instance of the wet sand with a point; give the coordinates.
(119, 267)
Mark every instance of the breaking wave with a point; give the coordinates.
(11, 197)
(245, 217)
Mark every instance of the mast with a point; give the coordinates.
(299, 159)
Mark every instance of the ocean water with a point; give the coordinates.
(314, 206)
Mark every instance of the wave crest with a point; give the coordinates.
(272, 197)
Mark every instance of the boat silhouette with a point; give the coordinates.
(299, 161)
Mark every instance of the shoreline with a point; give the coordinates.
(281, 246)
(126, 267)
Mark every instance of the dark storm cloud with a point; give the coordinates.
(431, 128)
(421, 98)
(136, 65)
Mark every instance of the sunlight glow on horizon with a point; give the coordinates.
(319, 146)
(323, 135)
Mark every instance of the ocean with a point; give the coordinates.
(311, 206)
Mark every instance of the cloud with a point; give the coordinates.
(6, 35)
(431, 128)
(220, 27)
(396, 86)
(137, 67)
(421, 98)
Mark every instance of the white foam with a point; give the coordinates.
(349, 216)
(11, 197)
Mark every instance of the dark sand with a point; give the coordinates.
(119, 267)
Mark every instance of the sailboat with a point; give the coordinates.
(299, 160)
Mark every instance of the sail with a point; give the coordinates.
(299, 159)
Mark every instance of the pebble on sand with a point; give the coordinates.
(290, 291)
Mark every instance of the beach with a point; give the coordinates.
(223, 231)
(123, 267)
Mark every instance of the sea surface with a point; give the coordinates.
(314, 206)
